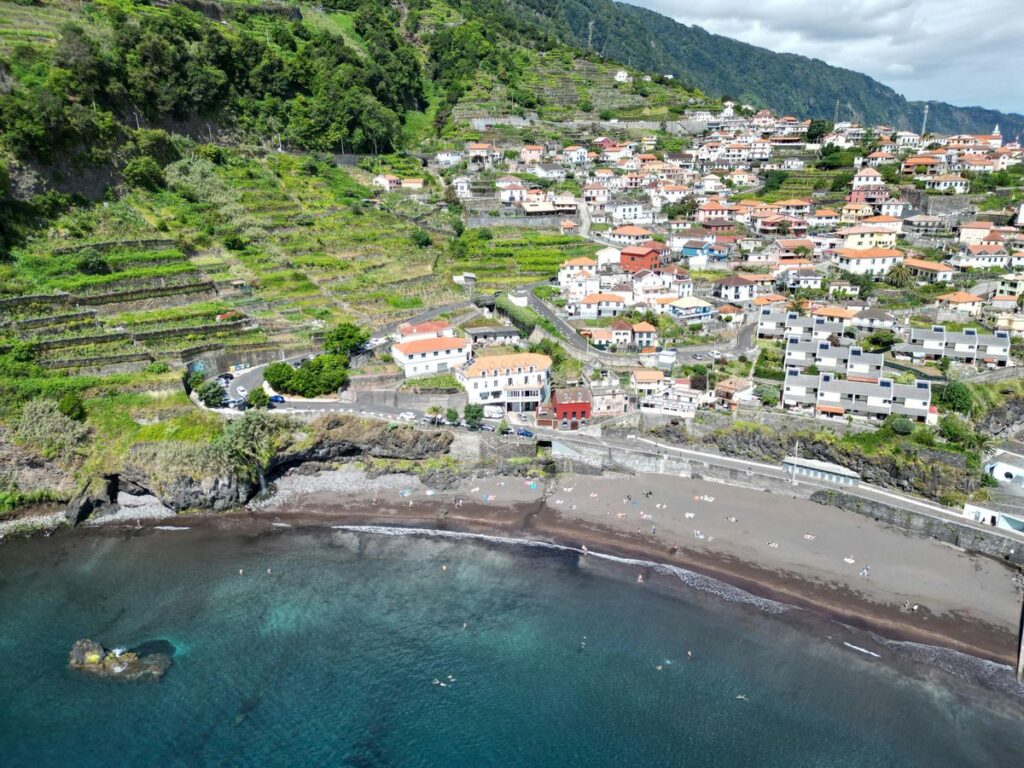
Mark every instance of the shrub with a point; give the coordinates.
(420, 238)
(211, 394)
(71, 406)
(901, 425)
(345, 339)
(157, 367)
(258, 398)
(91, 263)
(451, 415)
(956, 397)
(473, 413)
(954, 429)
(144, 173)
(768, 394)
(45, 429)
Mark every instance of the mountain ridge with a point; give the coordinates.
(722, 66)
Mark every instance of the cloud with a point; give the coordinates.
(965, 53)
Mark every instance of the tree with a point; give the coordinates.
(503, 427)
(211, 394)
(817, 130)
(258, 398)
(773, 180)
(956, 397)
(278, 375)
(144, 173)
(250, 443)
(954, 429)
(473, 413)
(435, 412)
(420, 238)
(451, 416)
(898, 275)
(345, 339)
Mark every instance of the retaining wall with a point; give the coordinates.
(975, 540)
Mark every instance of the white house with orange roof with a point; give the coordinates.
(929, 271)
(598, 305)
(973, 232)
(960, 301)
(429, 348)
(866, 261)
(863, 236)
(628, 235)
(981, 257)
(519, 382)
(576, 267)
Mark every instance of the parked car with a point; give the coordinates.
(485, 427)
(226, 376)
(277, 399)
(242, 391)
(429, 420)
(493, 411)
(523, 432)
(241, 405)
(407, 416)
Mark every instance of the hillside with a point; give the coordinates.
(721, 66)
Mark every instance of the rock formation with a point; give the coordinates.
(89, 656)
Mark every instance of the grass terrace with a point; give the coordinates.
(505, 256)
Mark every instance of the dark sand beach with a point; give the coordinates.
(772, 546)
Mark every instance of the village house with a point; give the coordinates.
(635, 258)
(598, 305)
(628, 235)
(570, 409)
(427, 356)
(967, 346)
(387, 181)
(960, 301)
(929, 271)
(948, 182)
(520, 382)
(737, 290)
(647, 381)
(689, 310)
(869, 261)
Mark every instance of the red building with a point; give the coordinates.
(571, 407)
(635, 258)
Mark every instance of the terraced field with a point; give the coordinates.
(511, 256)
(285, 244)
(34, 24)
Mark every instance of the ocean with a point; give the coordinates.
(335, 658)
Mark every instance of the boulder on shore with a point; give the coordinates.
(89, 656)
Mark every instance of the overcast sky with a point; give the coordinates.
(965, 52)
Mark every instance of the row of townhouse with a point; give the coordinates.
(830, 396)
(967, 346)
(851, 362)
(780, 323)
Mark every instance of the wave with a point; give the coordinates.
(693, 580)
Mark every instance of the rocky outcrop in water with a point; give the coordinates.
(91, 657)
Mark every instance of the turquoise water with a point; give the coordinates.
(329, 660)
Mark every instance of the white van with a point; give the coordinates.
(493, 412)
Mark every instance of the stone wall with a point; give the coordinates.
(969, 538)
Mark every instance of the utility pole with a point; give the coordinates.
(835, 116)
(924, 122)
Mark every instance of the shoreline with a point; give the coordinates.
(967, 602)
(537, 522)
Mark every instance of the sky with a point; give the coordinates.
(964, 52)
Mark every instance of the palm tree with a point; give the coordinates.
(435, 412)
(898, 276)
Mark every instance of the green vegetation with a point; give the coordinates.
(321, 375)
(728, 68)
(502, 257)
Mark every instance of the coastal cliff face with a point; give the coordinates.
(337, 436)
(907, 467)
(1004, 420)
(199, 478)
